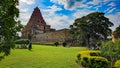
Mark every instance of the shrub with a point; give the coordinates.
(56, 43)
(111, 51)
(117, 64)
(22, 42)
(94, 53)
(91, 59)
(64, 43)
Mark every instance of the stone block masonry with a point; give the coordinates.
(51, 37)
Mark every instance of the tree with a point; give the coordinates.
(91, 27)
(116, 33)
(9, 25)
(78, 30)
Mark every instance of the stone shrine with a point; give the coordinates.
(40, 32)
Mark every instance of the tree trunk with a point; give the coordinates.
(88, 41)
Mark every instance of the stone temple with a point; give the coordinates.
(40, 32)
(36, 24)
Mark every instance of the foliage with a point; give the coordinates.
(64, 43)
(5, 47)
(9, 25)
(93, 26)
(56, 43)
(116, 33)
(94, 53)
(117, 64)
(111, 51)
(91, 59)
(23, 43)
(42, 57)
(45, 44)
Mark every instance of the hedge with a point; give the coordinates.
(92, 59)
(117, 64)
(22, 41)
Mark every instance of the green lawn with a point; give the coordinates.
(42, 57)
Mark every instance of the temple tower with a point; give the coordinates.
(36, 25)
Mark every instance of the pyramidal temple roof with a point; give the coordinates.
(36, 15)
(35, 19)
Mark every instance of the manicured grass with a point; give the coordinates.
(42, 57)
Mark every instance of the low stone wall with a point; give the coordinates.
(51, 37)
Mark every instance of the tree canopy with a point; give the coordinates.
(116, 33)
(91, 27)
(9, 24)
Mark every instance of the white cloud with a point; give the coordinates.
(51, 10)
(111, 10)
(112, 4)
(79, 5)
(80, 13)
(25, 12)
(61, 2)
(54, 8)
(108, 9)
(56, 21)
(28, 2)
(95, 2)
(71, 4)
(24, 17)
(114, 18)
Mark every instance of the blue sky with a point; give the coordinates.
(62, 13)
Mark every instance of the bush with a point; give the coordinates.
(117, 64)
(111, 51)
(22, 42)
(94, 53)
(64, 43)
(56, 43)
(91, 59)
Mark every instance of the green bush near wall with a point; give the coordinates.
(117, 64)
(64, 44)
(92, 59)
(22, 43)
(56, 43)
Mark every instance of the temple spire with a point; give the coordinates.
(38, 16)
(36, 23)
